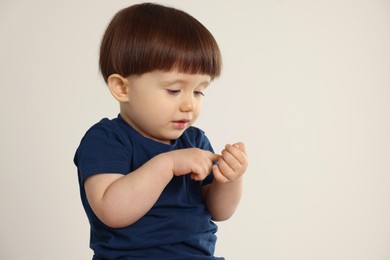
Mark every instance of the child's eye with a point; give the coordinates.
(198, 93)
(173, 91)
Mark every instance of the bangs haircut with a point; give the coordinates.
(147, 37)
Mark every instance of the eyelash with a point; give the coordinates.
(199, 93)
(174, 91)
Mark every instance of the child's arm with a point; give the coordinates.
(223, 195)
(119, 200)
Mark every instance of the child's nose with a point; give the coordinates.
(187, 104)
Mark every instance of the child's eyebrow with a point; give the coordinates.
(172, 82)
(205, 83)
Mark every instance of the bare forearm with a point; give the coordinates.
(222, 199)
(224, 194)
(130, 197)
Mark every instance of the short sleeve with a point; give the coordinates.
(102, 150)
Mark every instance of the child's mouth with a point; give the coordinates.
(180, 124)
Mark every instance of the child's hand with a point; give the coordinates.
(232, 164)
(196, 161)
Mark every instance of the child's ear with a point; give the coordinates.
(119, 87)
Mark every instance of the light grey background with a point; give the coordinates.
(306, 85)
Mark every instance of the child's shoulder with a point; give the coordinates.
(195, 136)
(109, 128)
(104, 124)
(194, 131)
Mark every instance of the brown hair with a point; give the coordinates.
(146, 37)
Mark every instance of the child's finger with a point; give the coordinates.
(235, 152)
(218, 176)
(241, 146)
(230, 159)
(214, 157)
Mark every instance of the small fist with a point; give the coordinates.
(232, 164)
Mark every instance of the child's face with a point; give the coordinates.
(162, 105)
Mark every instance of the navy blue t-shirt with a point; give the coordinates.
(177, 227)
